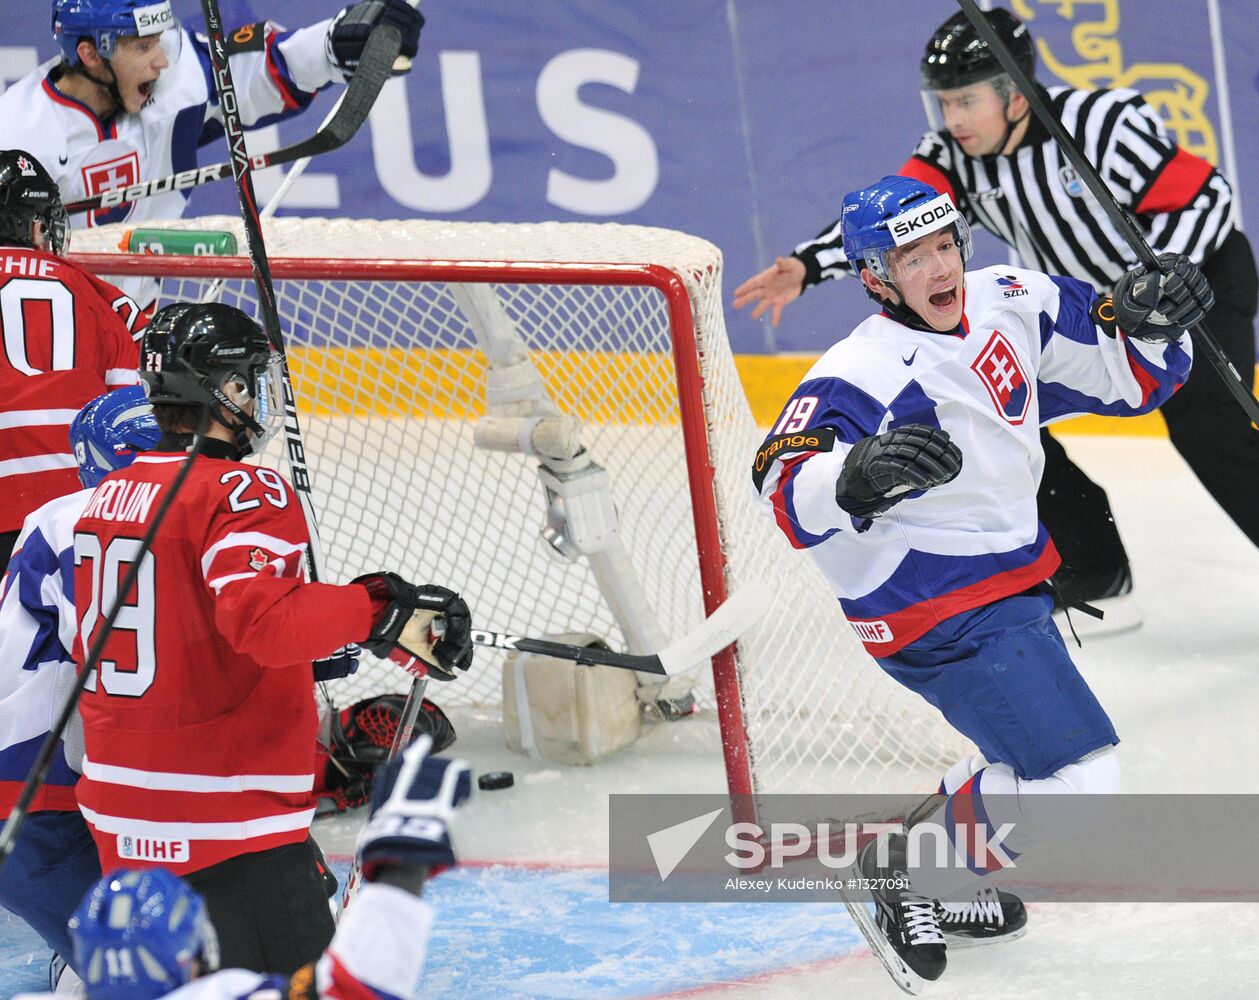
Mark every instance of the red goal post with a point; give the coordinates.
(622, 329)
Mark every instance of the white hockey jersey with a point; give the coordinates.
(1028, 353)
(276, 74)
(37, 625)
(377, 954)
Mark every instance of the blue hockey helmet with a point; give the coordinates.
(109, 431)
(138, 935)
(105, 21)
(896, 211)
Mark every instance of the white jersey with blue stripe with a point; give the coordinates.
(276, 73)
(37, 625)
(1028, 353)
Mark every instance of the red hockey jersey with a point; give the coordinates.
(67, 336)
(200, 724)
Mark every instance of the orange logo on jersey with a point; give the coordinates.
(245, 35)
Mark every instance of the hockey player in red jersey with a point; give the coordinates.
(67, 336)
(185, 764)
(144, 934)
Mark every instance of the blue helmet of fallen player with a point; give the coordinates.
(103, 22)
(896, 211)
(138, 935)
(110, 430)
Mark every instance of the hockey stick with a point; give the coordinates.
(17, 816)
(376, 62)
(714, 634)
(380, 54)
(273, 205)
(1114, 211)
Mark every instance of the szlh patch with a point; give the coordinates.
(820, 439)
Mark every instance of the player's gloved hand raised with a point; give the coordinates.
(337, 664)
(1160, 306)
(879, 471)
(350, 29)
(414, 798)
(404, 629)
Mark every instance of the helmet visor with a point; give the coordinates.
(268, 392)
(941, 250)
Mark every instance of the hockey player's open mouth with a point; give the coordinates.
(146, 89)
(944, 299)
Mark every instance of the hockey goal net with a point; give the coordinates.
(622, 329)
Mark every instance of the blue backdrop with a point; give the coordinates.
(743, 121)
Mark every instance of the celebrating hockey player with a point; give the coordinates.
(140, 935)
(907, 462)
(1005, 172)
(54, 860)
(200, 726)
(68, 336)
(131, 97)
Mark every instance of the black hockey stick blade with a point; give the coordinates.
(1122, 221)
(373, 70)
(715, 633)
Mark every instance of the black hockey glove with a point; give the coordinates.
(405, 634)
(337, 664)
(414, 799)
(879, 471)
(348, 33)
(1160, 307)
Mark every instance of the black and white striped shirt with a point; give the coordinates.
(1035, 202)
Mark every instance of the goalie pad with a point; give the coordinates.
(561, 711)
(357, 741)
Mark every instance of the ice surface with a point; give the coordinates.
(528, 916)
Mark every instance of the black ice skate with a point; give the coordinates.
(991, 916)
(904, 932)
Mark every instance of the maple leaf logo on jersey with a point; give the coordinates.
(258, 560)
(999, 370)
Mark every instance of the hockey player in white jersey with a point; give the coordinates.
(144, 935)
(907, 463)
(55, 858)
(131, 96)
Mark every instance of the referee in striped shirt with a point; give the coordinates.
(1005, 173)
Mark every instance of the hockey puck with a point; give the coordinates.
(496, 779)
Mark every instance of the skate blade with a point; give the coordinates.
(960, 943)
(902, 975)
(1123, 614)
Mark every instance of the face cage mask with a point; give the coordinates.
(880, 267)
(56, 233)
(267, 395)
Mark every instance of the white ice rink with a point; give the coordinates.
(528, 916)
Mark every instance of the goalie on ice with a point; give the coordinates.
(906, 464)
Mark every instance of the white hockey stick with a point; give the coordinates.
(740, 611)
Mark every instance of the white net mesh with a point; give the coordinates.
(390, 379)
